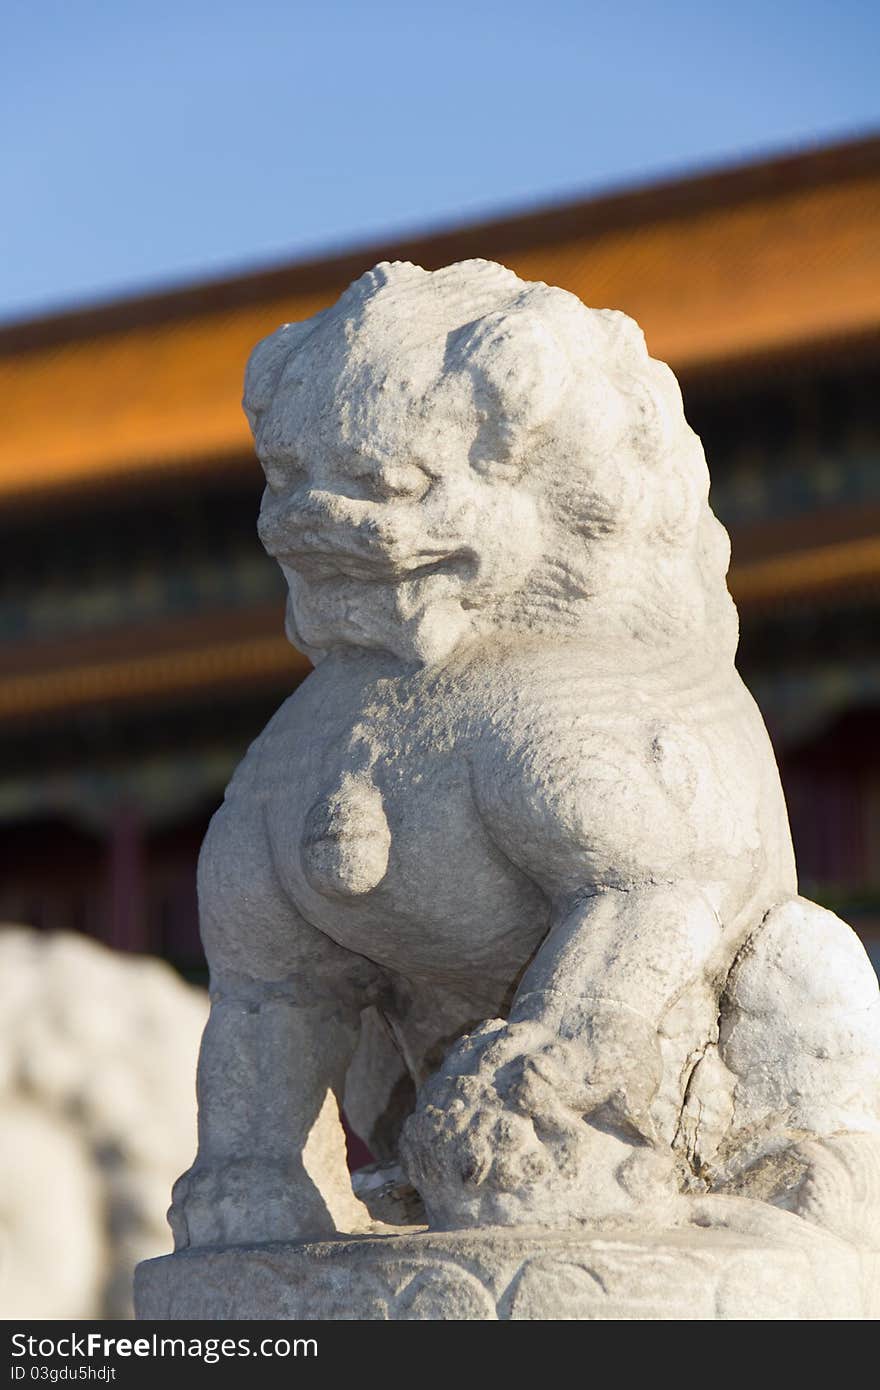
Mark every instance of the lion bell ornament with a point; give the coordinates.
(510, 873)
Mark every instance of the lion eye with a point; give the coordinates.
(403, 480)
(398, 480)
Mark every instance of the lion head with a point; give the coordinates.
(455, 453)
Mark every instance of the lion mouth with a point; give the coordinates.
(378, 602)
(335, 564)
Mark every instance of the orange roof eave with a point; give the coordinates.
(718, 282)
(256, 653)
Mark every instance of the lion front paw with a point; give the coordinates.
(501, 1133)
(246, 1201)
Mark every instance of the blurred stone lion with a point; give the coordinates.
(97, 1116)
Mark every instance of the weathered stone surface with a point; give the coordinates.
(514, 1275)
(524, 816)
(97, 1115)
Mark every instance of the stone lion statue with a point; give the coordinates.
(97, 1116)
(523, 823)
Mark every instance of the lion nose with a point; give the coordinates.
(307, 509)
(316, 519)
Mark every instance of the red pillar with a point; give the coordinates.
(127, 926)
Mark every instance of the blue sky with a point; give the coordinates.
(145, 143)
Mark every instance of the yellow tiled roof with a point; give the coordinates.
(715, 270)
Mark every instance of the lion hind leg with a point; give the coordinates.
(800, 1041)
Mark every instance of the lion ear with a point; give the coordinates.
(519, 369)
(265, 365)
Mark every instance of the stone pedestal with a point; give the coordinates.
(689, 1274)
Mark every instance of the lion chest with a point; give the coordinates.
(377, 840)
(346, 839)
